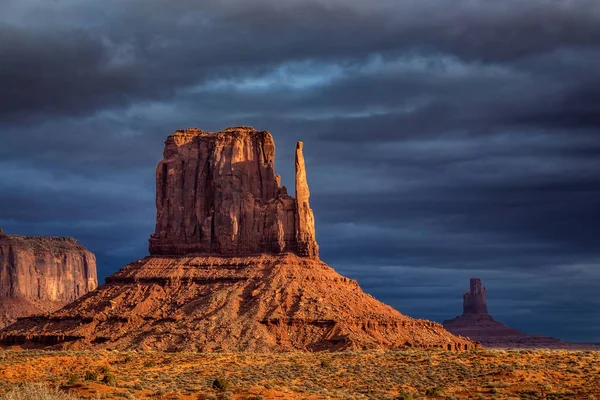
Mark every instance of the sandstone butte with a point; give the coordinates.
(477, 324)
(42, 274)
(233, 266)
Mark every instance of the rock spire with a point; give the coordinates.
(305, 220)
(476, 324)
(474, 301)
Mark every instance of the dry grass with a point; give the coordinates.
(485, 374)
(36, 392)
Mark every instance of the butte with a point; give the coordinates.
(233, 266)
(477, 324)
(41, 274)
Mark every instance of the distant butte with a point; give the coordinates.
(41, 274)
(234, 266)
(476, 324)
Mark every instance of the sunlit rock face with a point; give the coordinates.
(42, 274)
(217, 193)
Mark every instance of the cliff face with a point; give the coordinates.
(217, 193)
(41, 274)
(234, 267)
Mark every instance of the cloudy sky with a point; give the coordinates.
(445, 139)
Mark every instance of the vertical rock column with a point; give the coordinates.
(305, 220)
(474, 301)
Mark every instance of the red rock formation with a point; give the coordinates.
(213, 303)
(476, 324)
(217, 193)
(234, 266)
(42, 274)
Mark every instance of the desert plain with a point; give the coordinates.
(390, 374)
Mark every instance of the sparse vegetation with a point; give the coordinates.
(376, 375)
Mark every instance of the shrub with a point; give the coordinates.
(73, 380)
(37, 392)
(436, 391)
(405, 396)
(326, 364)
(149, 364)
(109, 379)
(221, 384)
(91, 376)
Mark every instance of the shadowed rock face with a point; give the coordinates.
(234, 267)
(474, 301)
(217, 193)
(42, 274)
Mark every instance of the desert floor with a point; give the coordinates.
(499, 374)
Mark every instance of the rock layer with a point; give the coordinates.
(42, 274)
(217, 193)
(476, 324)
(234, 267)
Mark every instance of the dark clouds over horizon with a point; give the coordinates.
(444, 139)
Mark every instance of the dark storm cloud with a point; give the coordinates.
(443, 139)
(141, 50)
(577, 109)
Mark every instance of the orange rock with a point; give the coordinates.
(217, 193)
(220, 303)
(234, 267)
(305, 220)
(42, 274)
